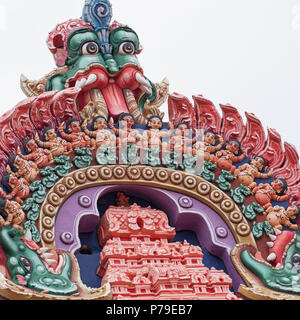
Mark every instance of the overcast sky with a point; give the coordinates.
(242, 52)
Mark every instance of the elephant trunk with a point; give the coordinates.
(258, 268)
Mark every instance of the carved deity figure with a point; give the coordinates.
(126, 133)
(152, 138)
(11, 213)
(182, 141)
(276, 191)
(41, 157)
(75, 136)
(55, 144)
(278, 217)
(99, 132)
(204, 149)
(18, 188)
(22, 168)
(232, 153)
(247, 173)
(122, 200)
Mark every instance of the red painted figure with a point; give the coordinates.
(233, 153)
(74, 135)
(64, 106)
(22, 168)
(276, 191)
(55, 144)
(18, 188)
(41, 157)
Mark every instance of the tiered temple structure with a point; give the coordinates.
(93, 127)
(140, 261)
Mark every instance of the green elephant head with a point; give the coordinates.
(36, 268)
(285, 255)
(89, 67)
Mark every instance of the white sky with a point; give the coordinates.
(242, 52)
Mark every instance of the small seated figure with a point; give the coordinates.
(122, 200)
(103, 136)
(41, 157)
(278, 217)
(233, 153)
(181, 142)
(204, 149)
(152, 138)
(247, 173)
(11, 214)
(55, 144)
(277, 190)
(75, 136)
(22, 168)
(126, 133)
(18, 188)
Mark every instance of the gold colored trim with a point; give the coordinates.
(163, 178)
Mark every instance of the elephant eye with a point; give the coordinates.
(296, 258)
(127, 48)
(26, 263)
(90, 48)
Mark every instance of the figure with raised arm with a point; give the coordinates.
(100, 133)
(204, 149)
(41, 157)
(277, 191)
(18, 189)
(232, 153)
(152, 137)
(126, 133)
(55, 144)
(75, 136)
(22, 168)
(248, 172)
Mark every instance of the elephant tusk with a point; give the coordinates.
(143, 81)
